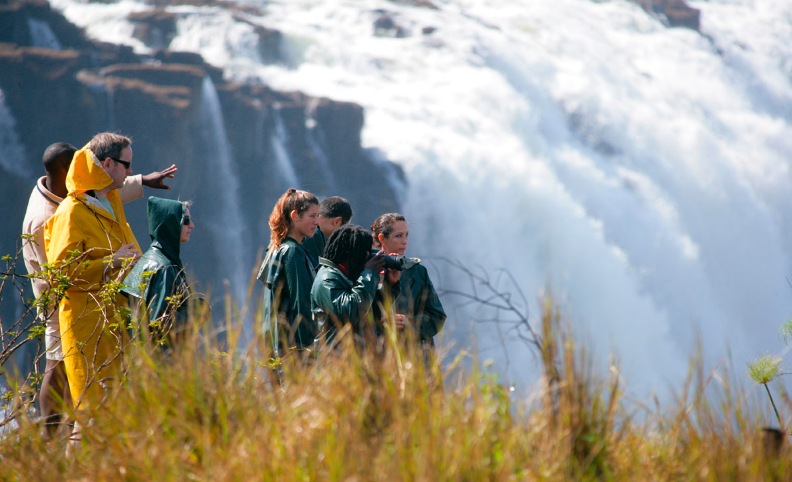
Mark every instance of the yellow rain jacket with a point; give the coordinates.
(93, 337)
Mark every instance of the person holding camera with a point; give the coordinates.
(345, 287)
(417, 305)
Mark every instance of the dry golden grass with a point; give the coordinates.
(210, 412)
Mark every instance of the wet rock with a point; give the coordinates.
(155, 28)
(385, 25)
(676, 12)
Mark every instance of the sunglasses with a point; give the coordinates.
(126, 164)
(186, 220)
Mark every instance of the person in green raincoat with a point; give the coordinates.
(156, 286)
(417, 305)
(346, 285)
(287, 273)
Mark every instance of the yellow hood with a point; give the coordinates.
(86, 174)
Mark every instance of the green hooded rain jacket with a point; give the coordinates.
(336, 299)
(418, 299)
(157, 281)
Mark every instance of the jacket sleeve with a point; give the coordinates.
(299, 280)
(427, 310)
(35, 255)
(350, 305)
(159, 293)
(132, 188)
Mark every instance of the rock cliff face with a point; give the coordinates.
(238, 146)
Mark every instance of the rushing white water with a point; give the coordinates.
(640, 172)
(316, 141)
(224, 218)
(12, 152)
(279, 143)
(42, 34)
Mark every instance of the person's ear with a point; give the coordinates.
(338, 221)
(380, 238)
(294, 215)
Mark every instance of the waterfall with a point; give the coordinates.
(41, 34)
(280, 143)
(110, 95)
(223, 219)
(12, 152)
(640, 172)
(314, 139)
(632, 169)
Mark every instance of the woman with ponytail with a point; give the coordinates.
(287, 272)
(417, 306)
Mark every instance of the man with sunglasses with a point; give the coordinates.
(89, 240)
(44, 200)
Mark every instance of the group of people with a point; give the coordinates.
(320, 273)
(75, 231)
(308, 297)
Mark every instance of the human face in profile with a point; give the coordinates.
(329, 225)
(119, 168)
(305, 225)
(396, 241)
(187, 226)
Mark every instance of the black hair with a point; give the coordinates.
(349, 245)
(58, 156)
(334, 207)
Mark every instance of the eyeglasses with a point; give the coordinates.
(126, 164)
(186, 220)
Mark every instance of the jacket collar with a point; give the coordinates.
(48, 195)
(327, 262)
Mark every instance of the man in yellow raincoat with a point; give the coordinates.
(89, 237)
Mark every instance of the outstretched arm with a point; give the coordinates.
(156, 179)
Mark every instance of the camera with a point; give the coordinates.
(397, 262)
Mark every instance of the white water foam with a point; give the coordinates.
(12, 152)
(226, 225)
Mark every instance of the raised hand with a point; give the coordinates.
(156, 179)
